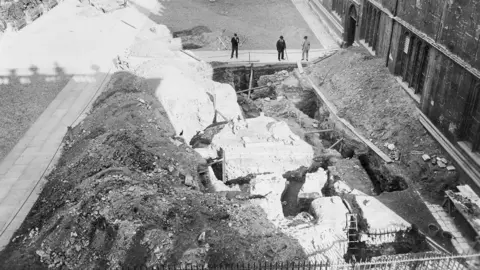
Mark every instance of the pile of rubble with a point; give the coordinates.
(439, 161)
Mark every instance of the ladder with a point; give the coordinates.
(352, 228)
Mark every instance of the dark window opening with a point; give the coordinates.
(373, 16)
(470, 128)
(413, 61)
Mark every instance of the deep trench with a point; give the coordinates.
(382, 179)
(239, 76)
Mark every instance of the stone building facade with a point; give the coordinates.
(432, 46)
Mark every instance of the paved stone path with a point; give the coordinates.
(316, 24)
(460, 243)
(93, 43)
(260, 56)
(22, 171)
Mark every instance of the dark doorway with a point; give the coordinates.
(351, 25)
(351, 31)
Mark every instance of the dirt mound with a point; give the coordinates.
(362, 89)
(117, 198)
(194, 38)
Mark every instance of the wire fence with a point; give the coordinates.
(425, 261)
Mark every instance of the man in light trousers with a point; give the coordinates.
(305, 48)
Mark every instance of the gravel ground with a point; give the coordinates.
(261, 22)
(22, 101)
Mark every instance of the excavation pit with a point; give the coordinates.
(371, 245)
(382, 178)
(238, 76)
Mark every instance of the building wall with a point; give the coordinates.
(385, 31)
(376, 28)
(453, 24)
(449, 91)
(425, 15)
(444, 46)
(461, 30)
(388, 4)
(327, 4)
(393, 63)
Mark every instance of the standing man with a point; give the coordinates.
(281, 46)
(235, 41)
(305, 47)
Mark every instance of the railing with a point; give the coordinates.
(425, 261)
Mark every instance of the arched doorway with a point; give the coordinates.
(351, 25)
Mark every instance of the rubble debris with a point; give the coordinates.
(312, 188)
(330, 211)
(377, 216)
(425, 157)
(441, 164)
(390, 146)
(271, 148)
(451, 168)
(272, 184)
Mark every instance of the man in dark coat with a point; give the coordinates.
(281, 46)
(235, 41)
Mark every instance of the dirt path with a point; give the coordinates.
(23, 99)
(260, 23)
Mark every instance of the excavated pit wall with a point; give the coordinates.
(374, 179)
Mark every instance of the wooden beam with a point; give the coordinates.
(300, 67)
(224, 175)
(215, 162)
(199, 60)
(224, 46)
(334, 111)
(250, 85)
(235, 62)
(256, 88)
(223, 116)
(333, 145)
(319, 131)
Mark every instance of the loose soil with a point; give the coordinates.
(362, 89)
(291, 100)
(23, 100)
(119, 197)
(258, 23)
(369, 97)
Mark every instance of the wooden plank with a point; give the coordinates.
(319, 131)
(462, 210)
(333, 145)
(250, 84)
(300, 67)
(236, 62)
(256, 88)
(224, 46)
(468, 192)
(223, 116)
(333, 110)
(224, 163)
(191, 56)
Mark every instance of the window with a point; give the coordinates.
(470, 128)
(373, 16)
(413, 61)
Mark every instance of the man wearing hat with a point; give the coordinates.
(281, 46)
